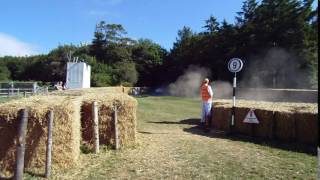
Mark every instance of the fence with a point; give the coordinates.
(23, 91)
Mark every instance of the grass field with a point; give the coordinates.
(171, 146)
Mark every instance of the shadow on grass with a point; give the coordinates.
(214, 133)
(185, 121)
(146, 132)
(33, 174)
(289, 146)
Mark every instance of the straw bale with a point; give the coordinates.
(307, 127)
(96, 90)
(271, 106)
(220, 118)
(240, 126)
(265, 127)
(66, 133)
(126, 118)
(285, 126)
(286, 121)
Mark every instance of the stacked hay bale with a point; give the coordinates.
(66, 132)
(67, 129)
(126, 111)
(83, 91)
(283, 121)
(107, 98)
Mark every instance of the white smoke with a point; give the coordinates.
(221, 89)
(189, 83)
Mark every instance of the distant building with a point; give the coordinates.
(78, 75)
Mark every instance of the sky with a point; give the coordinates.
(38, 26)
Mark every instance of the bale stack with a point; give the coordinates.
(284, 121)
(284, 125)
(221, 115)
(83, 91)
(66, 132)
(126, 111)
(307, 126)
(106, 98)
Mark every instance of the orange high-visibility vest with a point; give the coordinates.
(205, 92)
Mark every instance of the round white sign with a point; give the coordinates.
(235, 65)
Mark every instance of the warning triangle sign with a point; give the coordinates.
(251, 117)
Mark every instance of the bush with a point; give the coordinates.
(4, 73)
(125, 73)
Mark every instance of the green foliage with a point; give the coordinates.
(125, 73)
(4, 73)
(148, 57)
(260, 27)
(101, 75)
(288, 25)
(109, 44)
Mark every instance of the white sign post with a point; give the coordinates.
(234, 65)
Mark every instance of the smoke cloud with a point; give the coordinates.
(189, 83)
(260, 79)
(277, 68)
(221, 89)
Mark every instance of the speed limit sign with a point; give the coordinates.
(235, 65)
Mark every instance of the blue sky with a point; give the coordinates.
(38, 26)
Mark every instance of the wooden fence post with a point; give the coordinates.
(116, 130)
(49, 144)
(24, 93)
(21, 145)
(95, 126)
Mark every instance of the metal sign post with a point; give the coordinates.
(234, 65)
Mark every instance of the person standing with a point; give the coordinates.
(206, 96)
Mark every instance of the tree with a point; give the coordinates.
(110, 44)
(125, 74)
(248, 12)
(4, 73)
(211, 25)
(98, 45)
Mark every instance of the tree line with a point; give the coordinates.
(277, 39)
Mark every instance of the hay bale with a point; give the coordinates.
(285, 126)
(220, 118)
(307, 127)
(276, 119)
(265, 127)
(96, 90)
(66, 133)
(126, 118)
(240, 126)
